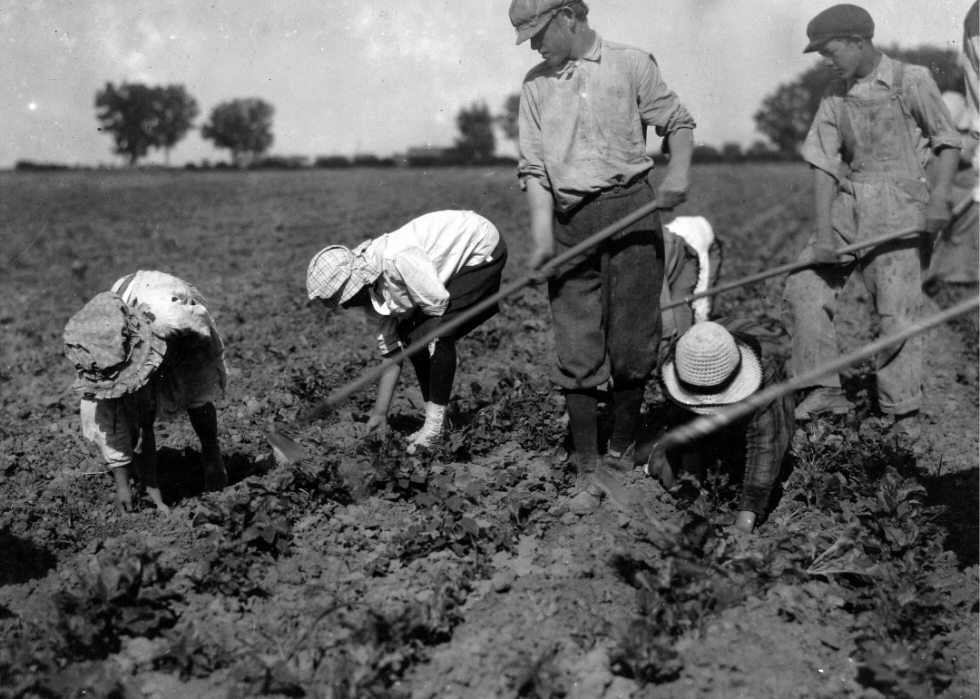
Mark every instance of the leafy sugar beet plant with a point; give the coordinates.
(128, 598)
(253, 527)
(449, 517)
(871, 534)
(516, 408)
(696, 576)
(853, 516)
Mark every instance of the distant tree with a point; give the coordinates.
(507, 120)
(131, 116)
(140, 117)
(476, 141)
(786, 114)
(731, 152)
(244, 126)
(332, 161)
(177, 111)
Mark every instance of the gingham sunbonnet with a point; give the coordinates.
(709, 369)
(113, 347)
(335, 273)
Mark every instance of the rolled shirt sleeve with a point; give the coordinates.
(659, 106)
(929, 110)
(384, 330)
(822, 146)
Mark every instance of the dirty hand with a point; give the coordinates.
(669, 195)
(938, 215)
(658, 467)
(539, 255)
(376, 426)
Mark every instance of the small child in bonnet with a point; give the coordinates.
(147, 350)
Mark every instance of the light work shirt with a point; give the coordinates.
(417, 261)
(927, 119)
(971, 65)
(583, 124)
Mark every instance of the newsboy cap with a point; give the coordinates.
(837, 22)
(530, 16)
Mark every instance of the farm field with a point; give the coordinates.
(363, 572)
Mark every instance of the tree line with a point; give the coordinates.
(140, 117)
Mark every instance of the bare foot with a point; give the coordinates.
(124, 498)
(157, 499)
(124, 494)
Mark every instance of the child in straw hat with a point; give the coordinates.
(715, 364)
(144, 351)
(409, 283)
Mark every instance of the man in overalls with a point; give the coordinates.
(867, 147)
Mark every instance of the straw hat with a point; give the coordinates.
(710, 368)
(335, 273)
(113, 347)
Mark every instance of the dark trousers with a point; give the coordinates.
(436, 368)
(605, 305)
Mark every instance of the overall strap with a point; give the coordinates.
(898, 74)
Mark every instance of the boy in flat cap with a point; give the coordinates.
(584, 114)
(147, 350)
(410, 282)
(873, 133)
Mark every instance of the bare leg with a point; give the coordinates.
(124, 494)
(204, 420)
(145, 458)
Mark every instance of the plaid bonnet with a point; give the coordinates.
(335, 273)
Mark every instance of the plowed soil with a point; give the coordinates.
(467, 571)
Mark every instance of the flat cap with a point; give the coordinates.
(837, 22)
(530, 16)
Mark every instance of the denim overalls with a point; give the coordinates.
(885, 192)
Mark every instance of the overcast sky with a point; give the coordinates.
(378, 76)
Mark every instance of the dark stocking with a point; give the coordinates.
(582, 419)
(420, 360)
(627, 400)
(442, 371)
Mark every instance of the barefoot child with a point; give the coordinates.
(410, 282)
(144, 351)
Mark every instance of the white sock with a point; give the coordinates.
(435, 418)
